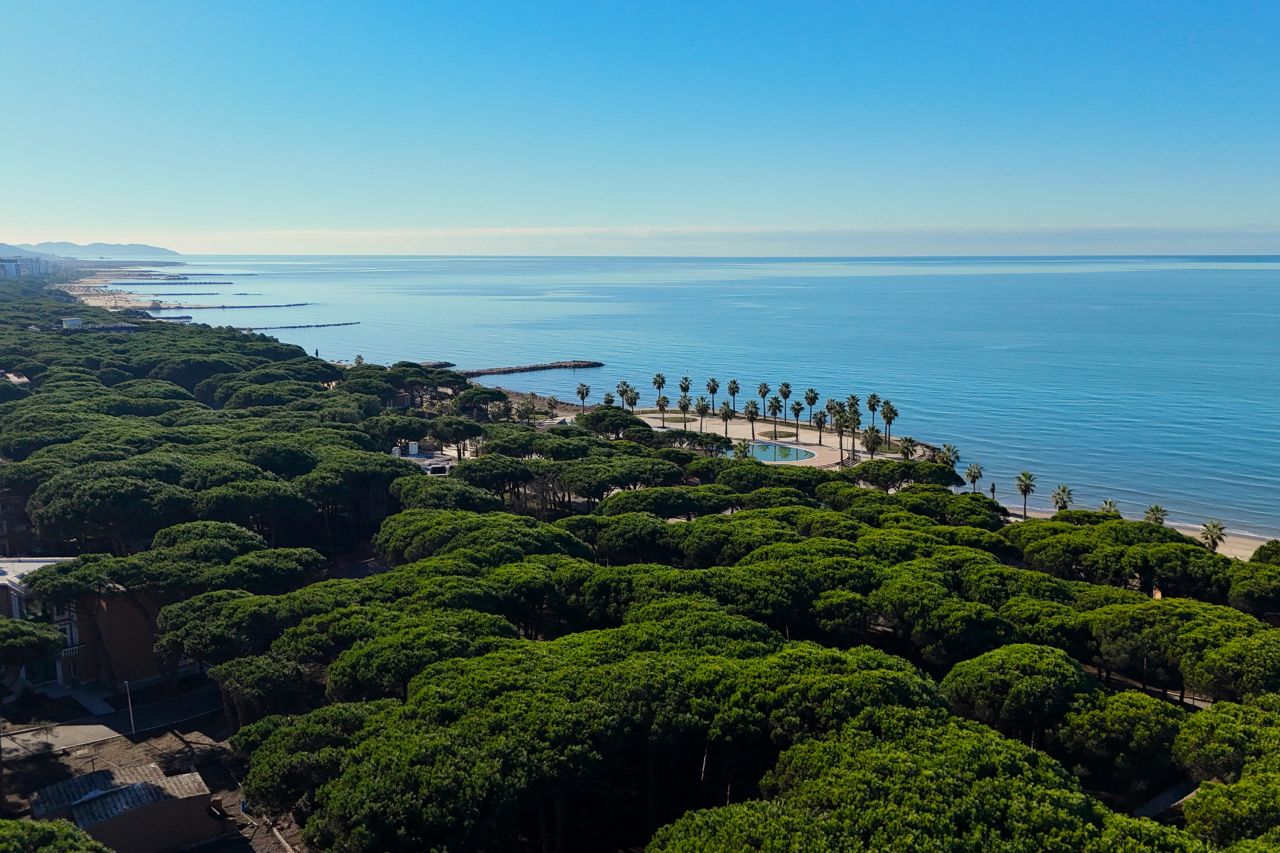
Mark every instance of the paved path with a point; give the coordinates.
(155, 715)
(1167, 799)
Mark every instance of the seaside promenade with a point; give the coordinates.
(826, 455)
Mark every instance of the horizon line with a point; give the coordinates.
(831, 257)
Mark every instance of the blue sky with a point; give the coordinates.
(644, 127)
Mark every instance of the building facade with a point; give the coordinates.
(24, 266)
(108, 637)
(16, 603)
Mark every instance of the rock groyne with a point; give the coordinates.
(531, 368)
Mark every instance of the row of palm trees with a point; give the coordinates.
(840, 416)
(1212, 533)
(843, 417)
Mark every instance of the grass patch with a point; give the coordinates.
(778, 434)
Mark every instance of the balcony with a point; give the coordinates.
(72, 651)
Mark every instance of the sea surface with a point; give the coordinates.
(1140, 379)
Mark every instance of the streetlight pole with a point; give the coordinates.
(133, 729)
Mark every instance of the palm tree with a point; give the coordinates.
(631, 398)
(526, 408)
(662, 403)
(622, 390)
(1213, 533)
(762, 391)
(751, 412)
(833, 407)
(888, 414)
(703, 408)
(907, 447)
(552, 405)
(733, 388)
(1109, 505)
(775, 407)
(607, 399)
(584, 391)
(685, 384)
(797, 408)
(853, 422)
(713, 385)
(684, 404)
(871, 440)
(811, 399)
(726, 415)
(1061, 497)
(973, 474)
(1026, 484)
(949, 456)
(660, 382)
(854, 404)
(1155, 514)
(784, 391)
(873, 403)
(820, 421)
(742, 448)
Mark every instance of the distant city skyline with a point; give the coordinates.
(721, 128)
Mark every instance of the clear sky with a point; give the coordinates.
(643, 127)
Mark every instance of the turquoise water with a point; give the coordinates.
(1137, 379)
(767, 451)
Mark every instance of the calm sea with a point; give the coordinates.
(1142, 380)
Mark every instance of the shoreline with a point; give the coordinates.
(1238, 545)
(92, 288)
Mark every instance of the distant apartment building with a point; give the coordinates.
(16, 267)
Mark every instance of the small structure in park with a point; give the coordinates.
(430, 461)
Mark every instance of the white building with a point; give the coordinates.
(14, 605)
(15, 267)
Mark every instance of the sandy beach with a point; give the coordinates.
(94, 289)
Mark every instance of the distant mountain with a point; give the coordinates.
(10, 251)
(98, 250)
